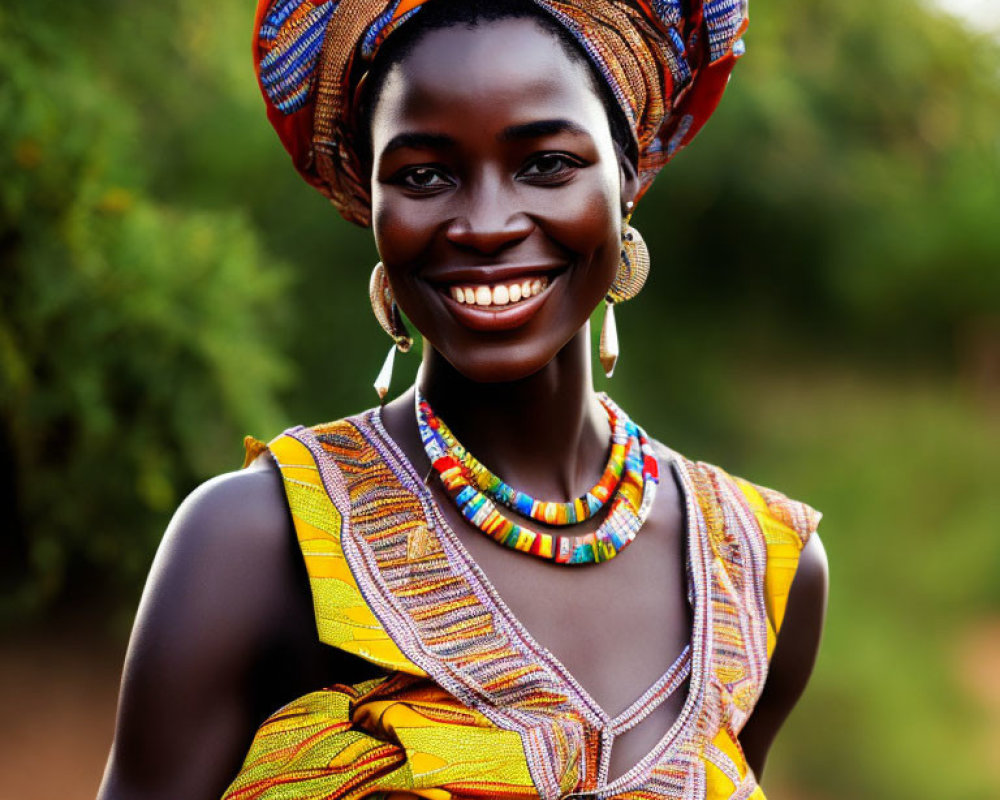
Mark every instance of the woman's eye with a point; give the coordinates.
(550, 165)
(425, 178)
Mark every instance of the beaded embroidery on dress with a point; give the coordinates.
(471, 706)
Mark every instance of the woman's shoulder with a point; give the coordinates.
(223, 636)
(230, 533)
(227, 586)
(246, 502)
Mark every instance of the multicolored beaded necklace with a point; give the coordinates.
(549, 512)
(629, 482)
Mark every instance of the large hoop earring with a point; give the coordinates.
(387, 313)
(633, 269)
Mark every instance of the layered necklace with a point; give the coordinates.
(628, 483)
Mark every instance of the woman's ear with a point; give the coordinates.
(629, 181)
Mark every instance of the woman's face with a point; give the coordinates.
(494, 174)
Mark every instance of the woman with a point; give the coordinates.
(474, 640)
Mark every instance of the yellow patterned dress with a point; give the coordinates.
(470, 706)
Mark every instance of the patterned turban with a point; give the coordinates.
(666, 61)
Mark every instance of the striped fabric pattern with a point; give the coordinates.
(292, 34)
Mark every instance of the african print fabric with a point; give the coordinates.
(666, 62)
(470, 705)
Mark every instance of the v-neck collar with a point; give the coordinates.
(578, 717)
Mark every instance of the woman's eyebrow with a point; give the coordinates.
(418, 141)
(542, 127)
(527, 130)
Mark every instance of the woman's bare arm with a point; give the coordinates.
(223, 637)
(794, 655)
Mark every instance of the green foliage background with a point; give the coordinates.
(823, 316)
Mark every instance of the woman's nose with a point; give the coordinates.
(491, 222)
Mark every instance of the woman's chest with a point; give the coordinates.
(614, 626)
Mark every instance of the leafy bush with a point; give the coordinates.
(138, 341)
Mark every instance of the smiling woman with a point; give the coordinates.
(531, 192)
(416, 625)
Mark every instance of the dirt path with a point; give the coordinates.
(58, 694)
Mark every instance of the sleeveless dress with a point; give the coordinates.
(470, 706)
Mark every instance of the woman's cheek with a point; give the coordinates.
(402, 226)
(588, 224)
(392, 230)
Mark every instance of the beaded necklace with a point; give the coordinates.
(547, 511)
(631, 496)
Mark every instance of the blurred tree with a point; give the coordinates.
(137, 340)
(848, 189)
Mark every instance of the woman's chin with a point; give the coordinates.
(500, 365)
(517, 359)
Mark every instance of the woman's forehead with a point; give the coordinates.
(499, 66)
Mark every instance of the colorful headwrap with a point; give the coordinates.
(666, 61)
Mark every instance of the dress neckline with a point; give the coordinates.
(695, 653)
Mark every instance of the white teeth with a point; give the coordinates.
(500, 294)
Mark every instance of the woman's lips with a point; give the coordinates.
(498, 306)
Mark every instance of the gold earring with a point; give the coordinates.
(608, 351)
(388, 316)
(633, 269)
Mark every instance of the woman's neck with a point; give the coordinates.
(546, 434)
